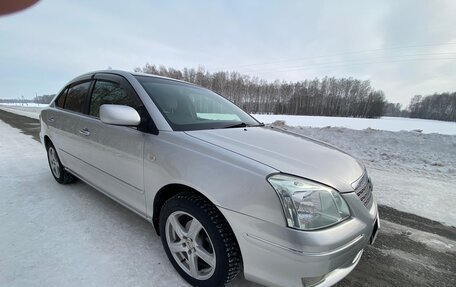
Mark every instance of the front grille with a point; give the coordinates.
(364, 190)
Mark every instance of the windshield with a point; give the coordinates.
(188, 107)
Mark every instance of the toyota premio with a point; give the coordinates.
(225, 193)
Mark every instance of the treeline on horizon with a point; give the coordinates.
(436, 107)
(345, 97)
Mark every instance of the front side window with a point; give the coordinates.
(76, 97)
(105, 92)
(188, 107)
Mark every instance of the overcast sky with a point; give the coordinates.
(403, 47)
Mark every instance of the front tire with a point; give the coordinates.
(199, 241)
(58, 171)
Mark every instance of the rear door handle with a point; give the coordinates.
(85, 132)
(51, 119)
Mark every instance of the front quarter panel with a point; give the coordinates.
(227, 179)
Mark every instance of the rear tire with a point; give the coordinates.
(58, 171)
(199, 241)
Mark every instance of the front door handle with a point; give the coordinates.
(51, 119)
(85, 132)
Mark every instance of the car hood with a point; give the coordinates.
(288, 153)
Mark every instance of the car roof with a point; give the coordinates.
(125, 74)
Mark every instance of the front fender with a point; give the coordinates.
(227, 179)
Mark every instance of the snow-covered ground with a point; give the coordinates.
(25, 105)
(31, 110)
(34, 209)
(385, 123)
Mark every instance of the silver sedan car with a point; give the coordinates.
(225, 193)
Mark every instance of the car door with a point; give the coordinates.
(63, 121)
(113, 154)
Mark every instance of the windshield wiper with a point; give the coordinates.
(243, 125)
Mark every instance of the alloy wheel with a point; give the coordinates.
(190, 245)
(54, 162)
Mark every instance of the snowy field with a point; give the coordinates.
(393, 124)
(24, 105)
(31, 110)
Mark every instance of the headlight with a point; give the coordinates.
(308, 205)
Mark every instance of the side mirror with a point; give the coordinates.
(119, 115)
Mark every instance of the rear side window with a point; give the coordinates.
(76, 97)
(61, 99)
(105, 92)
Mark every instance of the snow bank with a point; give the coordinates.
(384, 123)
(24, 105)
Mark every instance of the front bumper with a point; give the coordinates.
(275, 255)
